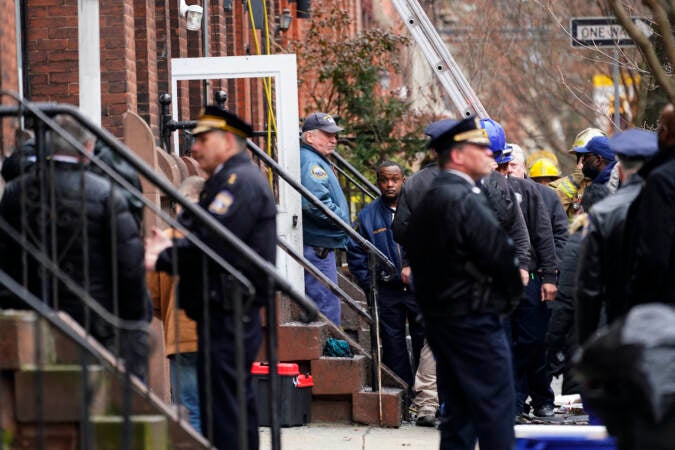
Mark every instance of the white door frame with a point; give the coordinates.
(283, 69)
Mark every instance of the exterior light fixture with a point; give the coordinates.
(193, 15)
(285, 20)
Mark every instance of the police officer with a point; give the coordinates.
(466, 276)
(600, 278)
(237, 195)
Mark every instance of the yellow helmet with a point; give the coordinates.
(539, 154)
(544, 167)
(584, 136)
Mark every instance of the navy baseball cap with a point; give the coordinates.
(320, 121)
(599, 146)
(448, 132)
(634, 143)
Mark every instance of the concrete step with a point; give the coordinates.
(298, 341)
(148, 432)
(61, 393)
(338, 376)
(365, 407)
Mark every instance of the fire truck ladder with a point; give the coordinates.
(437, 54)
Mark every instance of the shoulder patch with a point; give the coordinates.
(318, 172)
(221, 203)
(232, 178)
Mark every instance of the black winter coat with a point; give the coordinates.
(542, 256)
(501, 200)
(601, 277)
(461, 258)
(556, 213)
(107, 215)
(651, 225)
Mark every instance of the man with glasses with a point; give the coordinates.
(321, 236)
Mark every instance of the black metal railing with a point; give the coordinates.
(42, 245)
(377, 260)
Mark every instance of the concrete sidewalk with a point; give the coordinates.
(353, 437)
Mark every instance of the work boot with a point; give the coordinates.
(425, 421)
(545, 410)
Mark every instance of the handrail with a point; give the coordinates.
(358, 175)
(323, 208)
(334, 288)
(344, 173)
(260, 264)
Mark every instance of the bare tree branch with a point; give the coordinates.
(661, 17)
(647, 48)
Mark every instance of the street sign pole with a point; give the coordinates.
(593, 32)
(617, 99)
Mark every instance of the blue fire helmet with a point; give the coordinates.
(495, 133)
(504, 156)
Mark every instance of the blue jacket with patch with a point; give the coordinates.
(374, 223)
(317, 176)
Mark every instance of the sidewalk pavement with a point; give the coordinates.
(353, 437)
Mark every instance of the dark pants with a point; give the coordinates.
(528, 327)
(396, 305)
(218, 393)
(475, 382)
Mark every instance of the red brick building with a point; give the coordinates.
(39, 54)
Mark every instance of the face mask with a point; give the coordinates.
(589, 170)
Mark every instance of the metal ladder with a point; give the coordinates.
(437, 54)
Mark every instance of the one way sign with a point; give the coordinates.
(604, 31)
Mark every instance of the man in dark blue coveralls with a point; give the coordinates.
(237, 195)
(466, 277)
(395, 301)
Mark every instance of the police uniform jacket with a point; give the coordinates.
(412, 193)
(78, 190)
(317, 176)
(239, 197)
(543, 258)
(501, 200)
(600, 278)
(462, 260)
(374, 223)
(654, 231)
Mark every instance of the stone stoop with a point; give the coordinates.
(365, 407)
(148, 432)
(155, 424)
(337, 381)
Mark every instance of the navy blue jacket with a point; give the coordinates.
(373, 222)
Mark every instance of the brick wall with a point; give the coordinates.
(118, 63)
(146, 62)
(51, 41)
(8, 70)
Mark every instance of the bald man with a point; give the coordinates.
(650, 230)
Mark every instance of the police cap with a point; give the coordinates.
(634, 143)
(599, 146)
(447, 133)
(216, 118)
